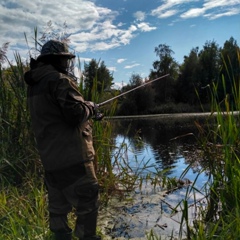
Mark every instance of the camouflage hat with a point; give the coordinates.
(54, 47)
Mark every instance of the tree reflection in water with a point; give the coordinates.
(165, 144)
(156, 145)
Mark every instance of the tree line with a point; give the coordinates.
(186, 89)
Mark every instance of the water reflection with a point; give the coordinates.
(156, 145)
(159, 145)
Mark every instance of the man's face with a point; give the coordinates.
(64, 62)
(67, 64)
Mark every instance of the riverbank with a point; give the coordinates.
(152, 209)
(148, 211)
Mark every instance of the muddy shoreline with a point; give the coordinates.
(145, 210)
(151, 209)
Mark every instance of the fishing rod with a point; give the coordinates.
(111, 99)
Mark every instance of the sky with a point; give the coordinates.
(122, 33)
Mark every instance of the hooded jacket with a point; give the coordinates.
(60, 118)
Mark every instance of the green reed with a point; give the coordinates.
(23, 197)
(16, 139)
(219, 139)
(23, 212)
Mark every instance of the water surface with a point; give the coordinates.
(169, 145)
(153, 145)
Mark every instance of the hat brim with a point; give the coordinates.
(69, 55)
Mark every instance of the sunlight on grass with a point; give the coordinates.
(23, 197)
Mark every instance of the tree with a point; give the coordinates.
(208, 69)
(187, 78)
(230, 68)
(135, 80)
(138, 101)
(97, 77)
(199, 70)
(164, 90)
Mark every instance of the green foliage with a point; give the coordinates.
(97, 78)
(230, 68)
(187, 79)
(23, 212)
(23, 209)
(164, 89)
(17, 148)
(23, 200)
(200, 69)
(166, 62)
(138, 101)
(219, 139)
(187, 83)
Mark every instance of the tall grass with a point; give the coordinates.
(103, 144)
(17, 148)
(220, 141)
(22, 194)
(23, 213)
(23, 206)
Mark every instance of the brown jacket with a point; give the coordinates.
(60, 118)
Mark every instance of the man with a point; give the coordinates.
(62, 127)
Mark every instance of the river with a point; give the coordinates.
(164, 146)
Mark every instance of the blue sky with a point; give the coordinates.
(123, 33)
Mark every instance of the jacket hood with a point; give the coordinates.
(37, 72)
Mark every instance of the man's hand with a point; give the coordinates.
(97, 115)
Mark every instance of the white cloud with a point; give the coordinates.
(169, 8)
(194, 12)
(209, 4)
(112, 69)
(132, 66)
(92, 28)
(101, 46)
(80, 47)
(228, 13)
(118, 85)
(139, 15)
(127, 35)
(211, 9)
(83, 14)
(121, 60)
(85, 59)
(144, 27)
(96, 28)
(168, 13)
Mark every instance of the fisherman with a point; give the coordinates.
(61, 121)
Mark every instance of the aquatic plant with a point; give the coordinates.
(219, 215)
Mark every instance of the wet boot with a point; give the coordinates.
(86, 226)
(63, 236)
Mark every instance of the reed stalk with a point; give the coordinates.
(23, 209)
(219, 140)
